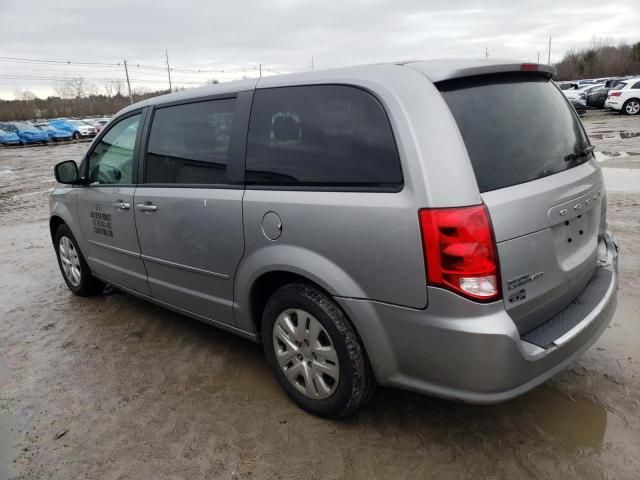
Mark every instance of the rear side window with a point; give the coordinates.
(189, 143)
(516, 127)
(325, 135)
(636, 85)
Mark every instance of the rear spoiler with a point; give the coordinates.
(440, 70)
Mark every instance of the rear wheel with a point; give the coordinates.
(74, 268)
(314, 352)
(631, 106)
(76, 135)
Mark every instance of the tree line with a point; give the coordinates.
(74, 98)
(600, 60)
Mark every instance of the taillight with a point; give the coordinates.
(529, 67)
(460, 251)
(615, 94)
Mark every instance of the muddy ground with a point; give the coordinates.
(113, 387)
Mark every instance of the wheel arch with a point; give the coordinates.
(54, 223)
(265, 270)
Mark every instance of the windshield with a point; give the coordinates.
(25, 127)
(79, 123)
(516, 127)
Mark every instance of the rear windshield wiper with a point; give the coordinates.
(583, 152)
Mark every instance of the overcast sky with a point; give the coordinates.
(283, 35)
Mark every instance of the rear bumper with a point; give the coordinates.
(614, 104)
(473, 352)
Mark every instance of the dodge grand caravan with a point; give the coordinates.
(434, 226)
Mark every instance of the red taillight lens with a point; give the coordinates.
(615, 94)
(529, 67)
(460, 251)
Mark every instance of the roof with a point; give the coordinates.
(434, 70)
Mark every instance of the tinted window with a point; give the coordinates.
(636, 85)
(325, 135)
(111, 161)
(516, 128)
(190, 143)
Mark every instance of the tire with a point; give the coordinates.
(75, 136)
(80, 282)
(631, 106)
(335, 348)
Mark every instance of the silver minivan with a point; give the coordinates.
(435, 226)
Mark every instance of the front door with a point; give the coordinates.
(105, 207)
(188, 212)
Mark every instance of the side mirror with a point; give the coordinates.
(67, 172)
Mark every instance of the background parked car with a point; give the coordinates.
(625, 99)
(9, 138)
(77, 128)
(55, 134)
(597, 97)
(99, 123)
(578, 105)
(580, 94)
(26, 133)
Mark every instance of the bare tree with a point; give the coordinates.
(24, 94)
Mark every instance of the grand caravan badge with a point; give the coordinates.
(523, 280)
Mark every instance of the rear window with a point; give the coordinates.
(321, 135)
(516, 127)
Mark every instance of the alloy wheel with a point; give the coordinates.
(633, 107)
(70, 261)
(306, 354)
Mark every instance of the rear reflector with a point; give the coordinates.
(529, 67)
(460, 251)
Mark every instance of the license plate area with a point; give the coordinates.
(575, 230)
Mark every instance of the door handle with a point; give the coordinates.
(120, 205)
(146, 207)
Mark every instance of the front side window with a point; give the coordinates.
(321, 135)
(189, 144)
(111, 161)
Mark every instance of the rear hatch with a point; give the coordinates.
(540, 183)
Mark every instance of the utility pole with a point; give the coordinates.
(168, 70)
(538, 57)
(549, 55)
(486, 52)
(126, 72)
(260, 69)
(312, 66)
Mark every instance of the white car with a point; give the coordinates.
(627, 99)
(83, 129)
(580, 94)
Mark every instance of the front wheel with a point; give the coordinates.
(631, 107)
(314, 352)
(74, 268)
(76, 135)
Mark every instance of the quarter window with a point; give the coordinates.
(636, 85)
(325, 135)
(111, 161)
(189, 144)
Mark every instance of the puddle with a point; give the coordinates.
(616, 154)
(622, 179)
(577, 422)
(8, 453)
(607, 134)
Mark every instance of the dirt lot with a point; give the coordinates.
(112, 387)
